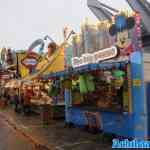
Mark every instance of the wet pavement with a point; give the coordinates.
(11, 140)
(53, 137)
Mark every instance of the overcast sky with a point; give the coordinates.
(23, 21)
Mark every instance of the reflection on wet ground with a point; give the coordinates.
(55, 136)
(10, 140)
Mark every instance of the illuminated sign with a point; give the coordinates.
(96, 57)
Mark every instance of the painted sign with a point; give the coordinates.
(30, 60)
(96, 57)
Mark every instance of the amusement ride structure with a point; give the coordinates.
(103, 11)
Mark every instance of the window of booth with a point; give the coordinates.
(106, 90)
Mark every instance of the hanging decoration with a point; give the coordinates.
(119, 78)
(86, 83)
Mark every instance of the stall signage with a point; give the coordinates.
(30, 60)
(137, 82)
(6, 76)
(96, 57)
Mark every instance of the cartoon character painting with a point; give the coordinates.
(121, 29)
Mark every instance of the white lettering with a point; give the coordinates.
(101, 55)
(30, 61)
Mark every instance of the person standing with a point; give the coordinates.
(16, 102)
(26, 100)
(47, 113)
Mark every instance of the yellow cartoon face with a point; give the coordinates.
(123, 39)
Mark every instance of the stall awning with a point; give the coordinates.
(85, 68)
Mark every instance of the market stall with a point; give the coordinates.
(31, 67)
(5, 77)
(105, 88)
(39, 98)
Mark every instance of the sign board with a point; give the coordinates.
(30, 60)
(5, 76)
(95, 57)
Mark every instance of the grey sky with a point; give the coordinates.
(23, 21)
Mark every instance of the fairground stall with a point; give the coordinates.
(104, 78)
(31, 67)
(5, 77)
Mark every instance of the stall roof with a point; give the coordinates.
(85, 68)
